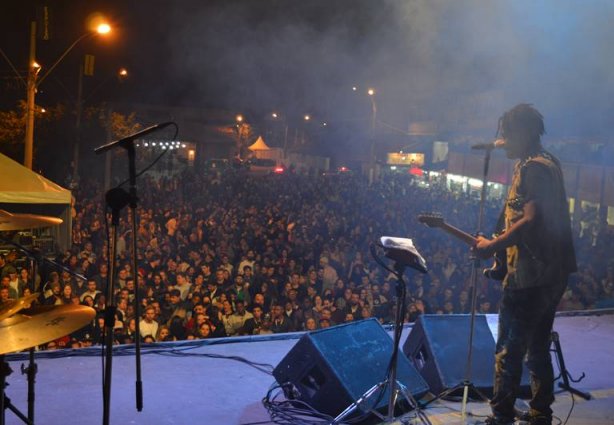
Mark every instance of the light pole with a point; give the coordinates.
(275, 116)
(239, 120)
(306, 118)
(371, 163)
(371, 93)
(33, 70)
(33, 83)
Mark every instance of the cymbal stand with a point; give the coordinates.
(36, 257)
(5, 402)
(30, 371)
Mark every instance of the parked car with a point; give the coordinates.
(339, 171)
(263, 166)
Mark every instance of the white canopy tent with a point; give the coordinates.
(259, 145)
(262, 150)
(24, 191)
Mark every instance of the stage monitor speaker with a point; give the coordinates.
(438, 347)
(332, 368)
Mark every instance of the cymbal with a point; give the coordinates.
(10, 307)
(14, 221)
(38, 325)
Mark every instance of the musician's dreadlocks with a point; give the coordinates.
(524, 120)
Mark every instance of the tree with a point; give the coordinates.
(245, 134)
(117, 124)
(102, 125)
(13, 127)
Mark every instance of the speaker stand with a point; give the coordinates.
(396, 388)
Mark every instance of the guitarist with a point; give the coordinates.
(540, 257)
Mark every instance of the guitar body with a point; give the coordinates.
(498, 269)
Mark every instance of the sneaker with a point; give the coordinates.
(540, 420)
(523, 417)
(494, 420)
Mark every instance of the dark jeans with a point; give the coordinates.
(525, 326)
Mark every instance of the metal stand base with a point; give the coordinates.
(466, 386)
(376, 392)
(565, 376)
(5, 402)
(8, 405)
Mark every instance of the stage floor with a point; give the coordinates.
(186, 383)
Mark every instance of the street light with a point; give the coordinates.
(281, 120)
(103, 28)
(372, 159)
(33, 83)
(371, 93)
(239, 120)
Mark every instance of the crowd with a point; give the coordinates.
(223, 254)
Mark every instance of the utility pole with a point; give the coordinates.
(75, 172)
(108, 158)
(372, 161)
(33, 82)
(33, 70)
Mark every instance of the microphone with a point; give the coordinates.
(499, 143)
(122, 142)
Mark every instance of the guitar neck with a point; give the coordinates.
(463, 236)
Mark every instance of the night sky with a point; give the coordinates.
(429, 60)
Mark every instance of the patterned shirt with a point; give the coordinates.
(544, 255)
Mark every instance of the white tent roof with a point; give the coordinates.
(19, 185)
(259, 145)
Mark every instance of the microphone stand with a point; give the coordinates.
(467, 384)
(135, 265)
(117, 199)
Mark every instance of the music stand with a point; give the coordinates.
(404, 254)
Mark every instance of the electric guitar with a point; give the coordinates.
(499, 268)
